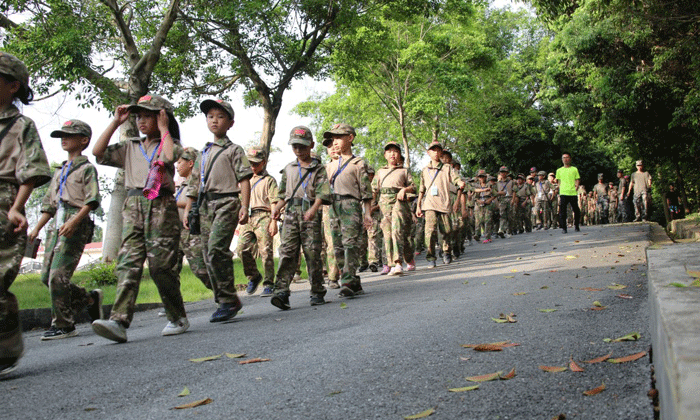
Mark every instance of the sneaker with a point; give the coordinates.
(333, 284)
(501, 234)
(373, 268)
(469, 242)
(385, 270)
(485, 241)
(447, 259)
(296, 278)
(253, 284)
(95, 310)
(177, 327)
(346, 292)
(508, 235)
(111, 330)
(281, 300)
(358, 291)
(162, 313)
(226, 311)
(363, 268)
(8, 365)
(411, 267)
(397, 270)
(54, 333)
(316, 300)
(431, 264)
(267, 292)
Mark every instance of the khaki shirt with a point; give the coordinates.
(640, 181)
(22, 157)
(315, 184)
(129, 156)
(390, 177)
(542, 190)
(263, 191)
(506, 186)
(444, 176)
(229, 168)
(523, 192)
(353, 180)
(81, 186)
(484, 195)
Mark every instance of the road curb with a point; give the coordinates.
(41, 317)
(674, 326)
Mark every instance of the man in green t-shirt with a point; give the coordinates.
(568, 179)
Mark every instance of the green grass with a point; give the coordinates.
(31, 293)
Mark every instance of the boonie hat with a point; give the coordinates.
(190, 153)
(435, 144)
(13, 66)
(152, 103)
(72, 127)
(393, 144)
(208, 104)
(533, 169)
(256, 154)
(339, 129)
(301, 135)
(503, 169)
(520, 176)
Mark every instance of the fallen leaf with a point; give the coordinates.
(616, 286)
(498, 343)
(695, 283)
(598, 304)
(526, 274)
(559, 417)
(599, 359)
(194, 404)
(553, 368)
(547, 310)
(624, 296)
(85, 345)
(594, 391)
(420, 415)
(552, 271)
(677, 284)
(508, 277)
(519, 258)
(485, 378)
(206, 359)
(509, 375)
(621, 255)
(571, 257)
(466, 388)
(629, 358)
(343, 305)
(600, 308)
(334, 393)
(488, 347)
(88, 409)
(633, 336)
(466, 282)
(185, 392)
(519, 293)
(256, 360)
(514, 271)
(544, 287)
(464, 359)
(574, 367)
(510, 319)
(235, 355)
(499, 320)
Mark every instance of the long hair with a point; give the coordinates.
(173, 127)
(24, 94)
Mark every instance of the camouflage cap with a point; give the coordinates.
(339, 129)
(436, 144)
(256, 154)
(208, 104)
(541, 173)
(520, 176)
(152, 103)
(481, 172)
(301, 135)
(189, 153)
(72, 127)
(14, 67)
(533, 169)
(393, 144)
(639, 162)
(370, 170)
(503, 169)
(600, 176)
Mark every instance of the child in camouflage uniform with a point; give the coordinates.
(225, 176)
(261, 228)
(150, 230)
(23, 166)
(484, 195)
(303, 189)
(74, 193)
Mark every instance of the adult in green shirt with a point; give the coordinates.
(568, 179)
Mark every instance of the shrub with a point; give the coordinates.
(101, 274)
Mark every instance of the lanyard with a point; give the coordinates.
(304, 184)
(437, 171)
(505, 185)
(63, 178)
(179, 191)
(143, 152)
(541, 189)
(258, 181)
(205, 152)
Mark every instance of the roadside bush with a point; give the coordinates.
(101, 274)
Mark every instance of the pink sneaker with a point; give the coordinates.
(486, 241)
(385, 270)
(411, 266)
(397, 270)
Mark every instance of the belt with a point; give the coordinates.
(138, 192)
(256, 211)
(210, 196)
(295, 201)
(340, 197)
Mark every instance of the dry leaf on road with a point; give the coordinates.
(206, 359)
(420, 415)
(256, 360)
(594, 391)
(194, 404)
(599, 359)
(553, 368)
(629, 358)
(485, 378)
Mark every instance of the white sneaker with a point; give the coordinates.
(162, 313)
(177, 327)
(507, 235)
(397, 270)
(111, 330)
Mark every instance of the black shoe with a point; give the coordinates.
(564, 231)
(447, 258)
(501, 234)
(346, 292)
(373, 268)
(577, 229)
(95, 310)
(226, 311)
(54, 333)
(363, 268)
(8, 365)
(315, 301)
(253, 284)
(281, 300)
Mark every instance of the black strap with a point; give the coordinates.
(202, 193)
(76, 167)
(308, 171)
(381, 182)
(337, 172)
(8, 127)
(439, 168)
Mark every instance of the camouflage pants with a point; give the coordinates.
(149, 233)
(11, 251)
(483, 221)
(61, 258)
(346, 227)
(457, 232)
(297, 234)
(506, 216)
(469, 222)
(333, 271)
(612, 211)
(191, 247)
(602, 212)
(544, 213)
(419, 234)
(395, 224)
(219, 219)
(375, 239)
(641, 205)
(435, 221)
(364, 247)
(253, 234)
(523, 220)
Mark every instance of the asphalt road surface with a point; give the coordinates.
(394, 352)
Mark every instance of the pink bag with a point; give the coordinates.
(155, 177)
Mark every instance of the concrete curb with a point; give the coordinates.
(41, 317)
(685, 229)
(675, 327)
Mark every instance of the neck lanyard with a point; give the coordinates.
(179, 191)
(63, 178)
(145, 155)
(505, 185)
(304, 183)
(205, 152)
(437, 171)
(263, 177)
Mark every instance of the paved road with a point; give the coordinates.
(390, 353)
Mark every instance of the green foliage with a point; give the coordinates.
(101, 274)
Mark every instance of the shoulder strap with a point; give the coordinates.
(381, 182)
(77, 166)
(9, 126)
(439, 168)
(337, 172)
(200, 196)
(301, 181)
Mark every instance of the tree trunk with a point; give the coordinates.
(271, 112)
(680, 187)
(404, 138)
